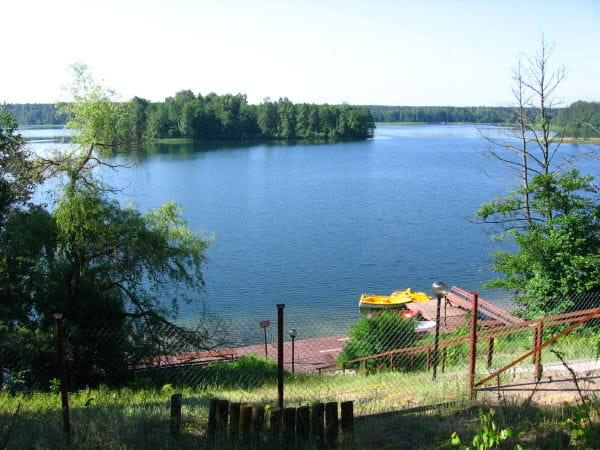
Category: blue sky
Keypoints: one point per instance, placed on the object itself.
(361, 52)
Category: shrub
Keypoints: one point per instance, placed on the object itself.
(384, 332)
(247, 371)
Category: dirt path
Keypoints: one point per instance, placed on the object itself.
(556, 386)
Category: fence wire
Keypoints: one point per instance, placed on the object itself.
(381, 360)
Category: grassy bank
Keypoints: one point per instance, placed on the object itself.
(582, 141)
(138, 418)
(403, 124)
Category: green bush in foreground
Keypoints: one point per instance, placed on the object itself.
(384, 332)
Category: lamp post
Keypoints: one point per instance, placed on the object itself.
(293, 334)
(440, 289)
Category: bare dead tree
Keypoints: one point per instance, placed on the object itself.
(531, 145)
(543, 81)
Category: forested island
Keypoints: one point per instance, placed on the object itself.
(224, 117)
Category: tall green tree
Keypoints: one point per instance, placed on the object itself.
(557, 260)
(552, 216)
(116, 274)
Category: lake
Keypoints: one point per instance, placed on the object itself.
(316, 225)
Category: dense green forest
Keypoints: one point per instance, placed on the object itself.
(35, 114)
(231, 117)
(581, 119)
(438, 114)
(225, 117)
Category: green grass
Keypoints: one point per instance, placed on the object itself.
(590, 140)
(129, 418)
(138, 416)
(402, 124)
(42, 127)
(171, 141)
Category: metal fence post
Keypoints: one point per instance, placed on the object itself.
(280, 308)
(490, 352)
(538, 359)
(436, 348)
(64, 394)
(473, 351)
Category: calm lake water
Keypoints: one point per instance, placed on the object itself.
(314, 226)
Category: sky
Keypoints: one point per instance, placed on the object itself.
(323, 51)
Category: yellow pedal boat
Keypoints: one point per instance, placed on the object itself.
(396, 300)
(412, 295)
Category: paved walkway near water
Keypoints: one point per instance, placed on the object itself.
(310, 355)
(314, 354)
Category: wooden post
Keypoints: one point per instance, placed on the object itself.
(348, 417)
(534, 345)
(212, 418)
(538, 344)
(234, 421)
(275, 421)
(473, 350)
(331, 423)
(222, 415)
(303, 423)
(64, 389)
(258, 420)
(428, 360)
(175, 413)
(391, 362)
(289, 426)
(245, 424)
(317, 423)
(490, 352)
(444, 359)
(280, 308)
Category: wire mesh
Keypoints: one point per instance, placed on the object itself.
(382, 360)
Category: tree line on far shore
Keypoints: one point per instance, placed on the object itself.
(441, 114)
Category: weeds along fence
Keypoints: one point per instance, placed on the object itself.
(382, 362)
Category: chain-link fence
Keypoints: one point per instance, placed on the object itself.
(427, 353)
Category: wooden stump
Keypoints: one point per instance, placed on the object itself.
(331, 423)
